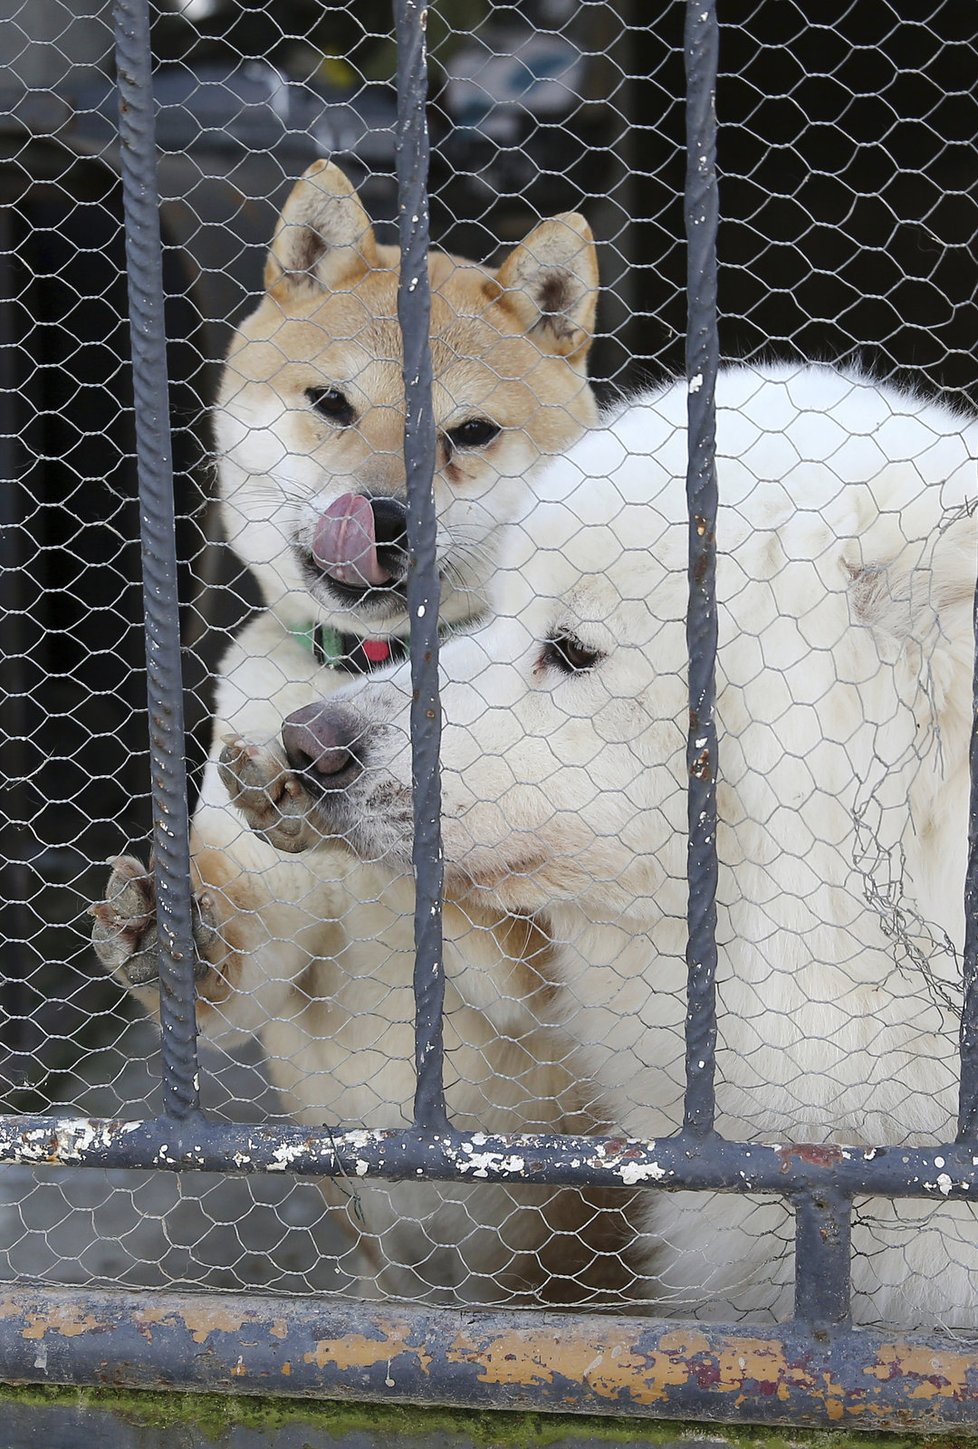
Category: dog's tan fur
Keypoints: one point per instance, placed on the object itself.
(311, 953)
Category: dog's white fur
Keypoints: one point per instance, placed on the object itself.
(846, 575)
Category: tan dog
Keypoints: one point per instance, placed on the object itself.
(313, 954)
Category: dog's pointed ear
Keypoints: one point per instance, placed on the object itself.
(323, 238)
(550, 283)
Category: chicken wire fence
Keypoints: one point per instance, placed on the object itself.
(354, 1172)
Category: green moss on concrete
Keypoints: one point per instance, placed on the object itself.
(212, 1414)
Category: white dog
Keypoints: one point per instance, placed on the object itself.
(846, 574)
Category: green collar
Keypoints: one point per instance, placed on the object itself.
(349, 652)
(319, 641)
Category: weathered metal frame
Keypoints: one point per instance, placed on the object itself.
(814, 1370)
(154, 462)
(568, 1363)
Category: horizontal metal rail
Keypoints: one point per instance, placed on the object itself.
(571, 1363)
(673, 1163)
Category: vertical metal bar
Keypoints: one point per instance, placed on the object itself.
(171, 826)
(414, 314)
(702, 358)
(823, 1231)
(968, 1039)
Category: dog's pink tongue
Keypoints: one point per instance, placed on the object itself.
(345, 544)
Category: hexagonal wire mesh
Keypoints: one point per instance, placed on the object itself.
(845, 580)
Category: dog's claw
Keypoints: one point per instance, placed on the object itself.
(271, 798)
(124, 934)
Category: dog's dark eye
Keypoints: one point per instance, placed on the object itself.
(474, 433)
(333, 404)
(566, 653)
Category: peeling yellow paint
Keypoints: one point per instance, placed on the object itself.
(942, 1375)
(611, 1370)
(62, 1320)
(728, 1367)
(218, 1320)
(834, 1396)
(616, 1371)
(747, 1360)
(356, 1351)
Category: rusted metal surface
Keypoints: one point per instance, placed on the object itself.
(161, 602)
(701, 212)
(943, 1173)
(823, 1238)
(573, 1363)
(423, 578)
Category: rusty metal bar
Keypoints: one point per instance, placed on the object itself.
(823, 1257)
(702, 361)
(154, 462)
(423, 585)
(686, 1162)
(572, 1363)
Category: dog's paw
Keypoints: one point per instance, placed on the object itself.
(272, 799)
(124, 934)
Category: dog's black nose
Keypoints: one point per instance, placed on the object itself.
(390, 523)
(327, 741)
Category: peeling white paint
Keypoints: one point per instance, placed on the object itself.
(360, 1137)
(285, 1155)
(480, 1163)
(65, 1140)
(633, 1172)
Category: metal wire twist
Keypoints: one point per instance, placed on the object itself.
(171, 825)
